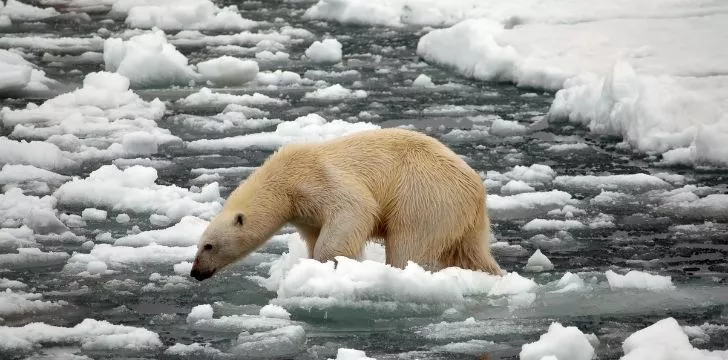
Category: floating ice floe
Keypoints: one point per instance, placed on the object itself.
(639, 280)
(90, 334)
(335, 92)
(18, 174)
(206, 97)
(638, 87)
(270, 40)
(516, 187)
(192, 349)
(552, 225)
(148, 60)
(20, 77)
(117, 257)
(538, 262)
(501, 127)
(182, 15)
(55, 45)
(104, 112)
(278, 78)
(665, 340)
(562, 343)
(185, 233)
(325, 51)
(31, 257)
(37, 213)
(16, 237)
(635, 182)
(228, 70)
(351, 354)
(309, 128)
(19, 303)
(532, 202)
(19, 11)
(423, 81)
(305, 283)
(135, 189)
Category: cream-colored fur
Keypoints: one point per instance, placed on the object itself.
(404, 188)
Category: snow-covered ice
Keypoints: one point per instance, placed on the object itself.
(182, 15)
(206, 97)
(560, 342)
(335, 93)
(665, 340)
(228, 70)
(147, 60)
(325, 51)
(135, 189)
(310, 128)
(639, 280)
(538, 262)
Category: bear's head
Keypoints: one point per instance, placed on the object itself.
(226, 239)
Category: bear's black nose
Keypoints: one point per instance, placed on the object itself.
(200, 275)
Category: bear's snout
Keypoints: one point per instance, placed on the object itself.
(201, 275)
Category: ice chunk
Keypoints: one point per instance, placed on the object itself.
(34, 153)
(38, 213)
(31, 257)
(282, 342)
(79, 124)
(117, 257)
(185, 233)
(147, 60)
(13, 238)
(182, 268)
(14, 174)
(536, 174)
(423, 81)
(123, 218)
(538, 262)
(18, 11)
(227, 70)
(351, 354)
(635, 182)
(93, 214)
(11, 284)
(310, 128)
(335, 92)
(266, 55)
(278, 78)
(665, 340)
(639, 280)
(192, 349)
(502, 127)
(90, 334)
(134, 189)
(568, 147)
(570, 282)
(159, 220)
(205, 97)
(17, 75)
(501, 206)
(552, 225)
(274, 311)
(516, 187)
(200, 312)
(19, 303)
(326, 51)
(184, 15)
(563, 343)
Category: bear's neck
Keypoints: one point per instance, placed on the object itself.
(266, 210)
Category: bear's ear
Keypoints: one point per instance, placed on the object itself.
(239, 219)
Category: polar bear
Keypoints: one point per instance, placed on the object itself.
(400, 187)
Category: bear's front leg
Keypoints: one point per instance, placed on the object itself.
(345, 235)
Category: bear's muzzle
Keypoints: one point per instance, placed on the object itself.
(201, 275)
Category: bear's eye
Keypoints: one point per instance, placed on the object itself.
(208, 247)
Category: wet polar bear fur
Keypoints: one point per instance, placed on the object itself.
(399, 187)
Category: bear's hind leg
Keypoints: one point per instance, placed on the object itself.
(472, 252)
